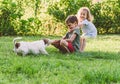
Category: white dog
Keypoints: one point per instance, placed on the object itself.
(35, 47)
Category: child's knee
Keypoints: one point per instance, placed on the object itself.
(63, 42)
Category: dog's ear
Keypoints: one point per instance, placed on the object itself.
(17, 45)
(45, 41)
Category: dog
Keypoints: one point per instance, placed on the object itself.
(35, 47)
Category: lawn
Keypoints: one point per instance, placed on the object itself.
(99, 64)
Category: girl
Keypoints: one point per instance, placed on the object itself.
(85, 23)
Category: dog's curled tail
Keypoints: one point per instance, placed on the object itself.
(15, 39)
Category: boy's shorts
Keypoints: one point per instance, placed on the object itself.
(63, 49)
(70, 47)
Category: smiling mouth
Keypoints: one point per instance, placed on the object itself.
(82, 17)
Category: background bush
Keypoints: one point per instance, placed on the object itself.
(106, 16)
(9, 12)
(46, 17)
(106, 13)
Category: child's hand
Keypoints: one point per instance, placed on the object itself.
(61, 41)
(80, 24)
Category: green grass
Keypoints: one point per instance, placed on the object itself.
(99, 64)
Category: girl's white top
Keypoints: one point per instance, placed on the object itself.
(88, 29)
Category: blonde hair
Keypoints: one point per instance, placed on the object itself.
(89, 15)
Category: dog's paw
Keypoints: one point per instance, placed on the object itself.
(46, 54)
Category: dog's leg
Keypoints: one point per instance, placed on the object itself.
(35, 51)
(24, 53)
(43, 51)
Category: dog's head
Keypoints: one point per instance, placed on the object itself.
(47, 41)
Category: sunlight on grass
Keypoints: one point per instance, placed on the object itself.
(99, 64)
(105, 44)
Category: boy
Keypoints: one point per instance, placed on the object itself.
(71, 41)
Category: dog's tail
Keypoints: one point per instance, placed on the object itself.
(15, 39)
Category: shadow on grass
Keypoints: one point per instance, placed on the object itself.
(90, 55)
(101, 55)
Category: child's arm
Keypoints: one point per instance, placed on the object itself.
(71, 39)
(80, 24)
(63, 37)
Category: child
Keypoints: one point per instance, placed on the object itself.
(71, 41)
(85, 23)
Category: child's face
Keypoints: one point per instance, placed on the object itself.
(71, 26)
(83, 15)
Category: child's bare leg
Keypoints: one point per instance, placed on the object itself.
(84, 44)
(64, 43)
(61, 45)
(81, 44)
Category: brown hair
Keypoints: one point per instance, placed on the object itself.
(71, 19)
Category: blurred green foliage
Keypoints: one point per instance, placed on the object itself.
(46, 17)
(106, 13)
(60, 10)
